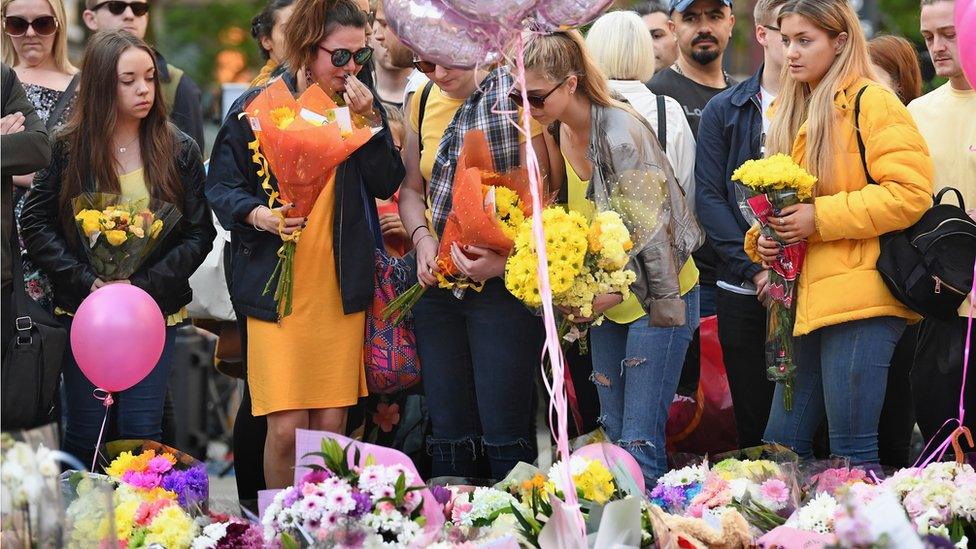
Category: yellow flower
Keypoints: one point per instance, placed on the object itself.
(282, 117)
(120, 465)
(156, 228)
(89, 220)
(172, 528)
(115, 237)
(777, 172)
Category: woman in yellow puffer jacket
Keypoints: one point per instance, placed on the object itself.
(847, 323)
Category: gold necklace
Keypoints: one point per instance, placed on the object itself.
(127, 145)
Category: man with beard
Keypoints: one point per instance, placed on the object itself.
(400, 56)
(945, 117)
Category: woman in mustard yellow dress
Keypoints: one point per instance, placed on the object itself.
(304, 370)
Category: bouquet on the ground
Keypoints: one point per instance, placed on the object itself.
(120, 234)
(487, 210)
(148, 466)
(301, 141)
(585, 259)
(226, 532)
(765, 187)
(677, 489)
(343, 505)
(29, 495)
(940, 499)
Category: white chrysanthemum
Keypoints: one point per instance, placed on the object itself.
(818, 514)
(685, 476)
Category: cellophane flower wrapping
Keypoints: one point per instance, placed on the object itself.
(487, 210)
(147, 465)
(301, 141)
(31, 514)
(227, 532)
(764, 188)
(119, 234)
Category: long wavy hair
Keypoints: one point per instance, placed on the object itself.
(60, 53)
(798, 103)
(93, 122)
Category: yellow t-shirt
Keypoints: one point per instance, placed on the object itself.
(630, 309)
(438, 114)
(946, 118)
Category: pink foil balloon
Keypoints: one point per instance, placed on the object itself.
(611, 455)
(117, 336)
(506, 13)
(438, 34)
(570, 13)
(965, 16)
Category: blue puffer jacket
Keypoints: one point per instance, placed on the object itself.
(730, 132)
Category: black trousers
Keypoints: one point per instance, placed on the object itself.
(937, 377)
(898, 413)
(742, 334)
(249, 435)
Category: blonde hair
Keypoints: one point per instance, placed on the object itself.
(562, 54)
(621, 46)
(799, 104)
(60, 53)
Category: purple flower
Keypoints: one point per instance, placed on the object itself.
(191, 485)
(933, 541)
(291, 497)
(363, 504)
(674, 497)
(441, 495)
(146, 481)
(315, 477)
(242, 535)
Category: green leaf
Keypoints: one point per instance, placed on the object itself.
(288, 542)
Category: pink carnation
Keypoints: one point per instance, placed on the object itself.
(148, 510)
(715, 493)
(146, 480)
(159, 465)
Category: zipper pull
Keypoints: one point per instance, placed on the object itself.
(938, 285)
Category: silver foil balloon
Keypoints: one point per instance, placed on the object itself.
(438, 34)
(506, 13)
(569, 13)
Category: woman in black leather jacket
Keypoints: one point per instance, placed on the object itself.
(119, 141)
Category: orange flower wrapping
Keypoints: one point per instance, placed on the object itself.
(470, 222)
(301, 141)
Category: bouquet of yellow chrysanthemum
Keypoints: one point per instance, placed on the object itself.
(585, 260)
(120, 234)
(765, 187)
(487, 210)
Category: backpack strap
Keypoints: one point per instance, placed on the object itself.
(62, 104)
(170, 88)
(420, 115)
(860, 138)
(662, 123)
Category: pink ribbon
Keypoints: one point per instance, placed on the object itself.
(107, 402)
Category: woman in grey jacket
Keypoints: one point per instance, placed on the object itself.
(614, 162)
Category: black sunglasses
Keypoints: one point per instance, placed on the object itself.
(341, 56)
(117, 7)
(425, 67)
(535, 101)
(17, 26)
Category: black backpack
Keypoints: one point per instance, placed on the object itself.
(928, 266)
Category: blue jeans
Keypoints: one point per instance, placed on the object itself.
(842, 371)
(636, 369)
(479, 357)
(138, 411)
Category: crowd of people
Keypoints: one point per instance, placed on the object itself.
(643, 96)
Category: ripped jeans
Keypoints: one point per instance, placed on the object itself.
(636, 368)
(480, 357)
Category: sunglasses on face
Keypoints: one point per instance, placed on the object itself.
(535, 101)
(425, 67)
(117, 7)
(17, 26)
(341, 56)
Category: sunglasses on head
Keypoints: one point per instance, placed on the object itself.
(341, 56)
(425, 67)
(535, 101)
(117, 7)
(17, 26)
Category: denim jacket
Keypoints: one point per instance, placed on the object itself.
(632, 176)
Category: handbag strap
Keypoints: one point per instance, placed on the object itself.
(62, 104)
(23, 323)
(662, 123)
(860, 139)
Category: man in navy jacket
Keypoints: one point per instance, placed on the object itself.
(732, 130)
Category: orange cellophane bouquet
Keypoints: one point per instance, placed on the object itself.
(302, 141)
(487, 209)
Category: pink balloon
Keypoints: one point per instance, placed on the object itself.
(438, 34)
(117, 336)
(570, 13)
(965, 16)
(611, 455)
(505, 13)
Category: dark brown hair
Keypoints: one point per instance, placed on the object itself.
(897, 57)
(93, 122)
(313, 21)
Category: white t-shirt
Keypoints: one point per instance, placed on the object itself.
(415, 82)
(767, 100)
